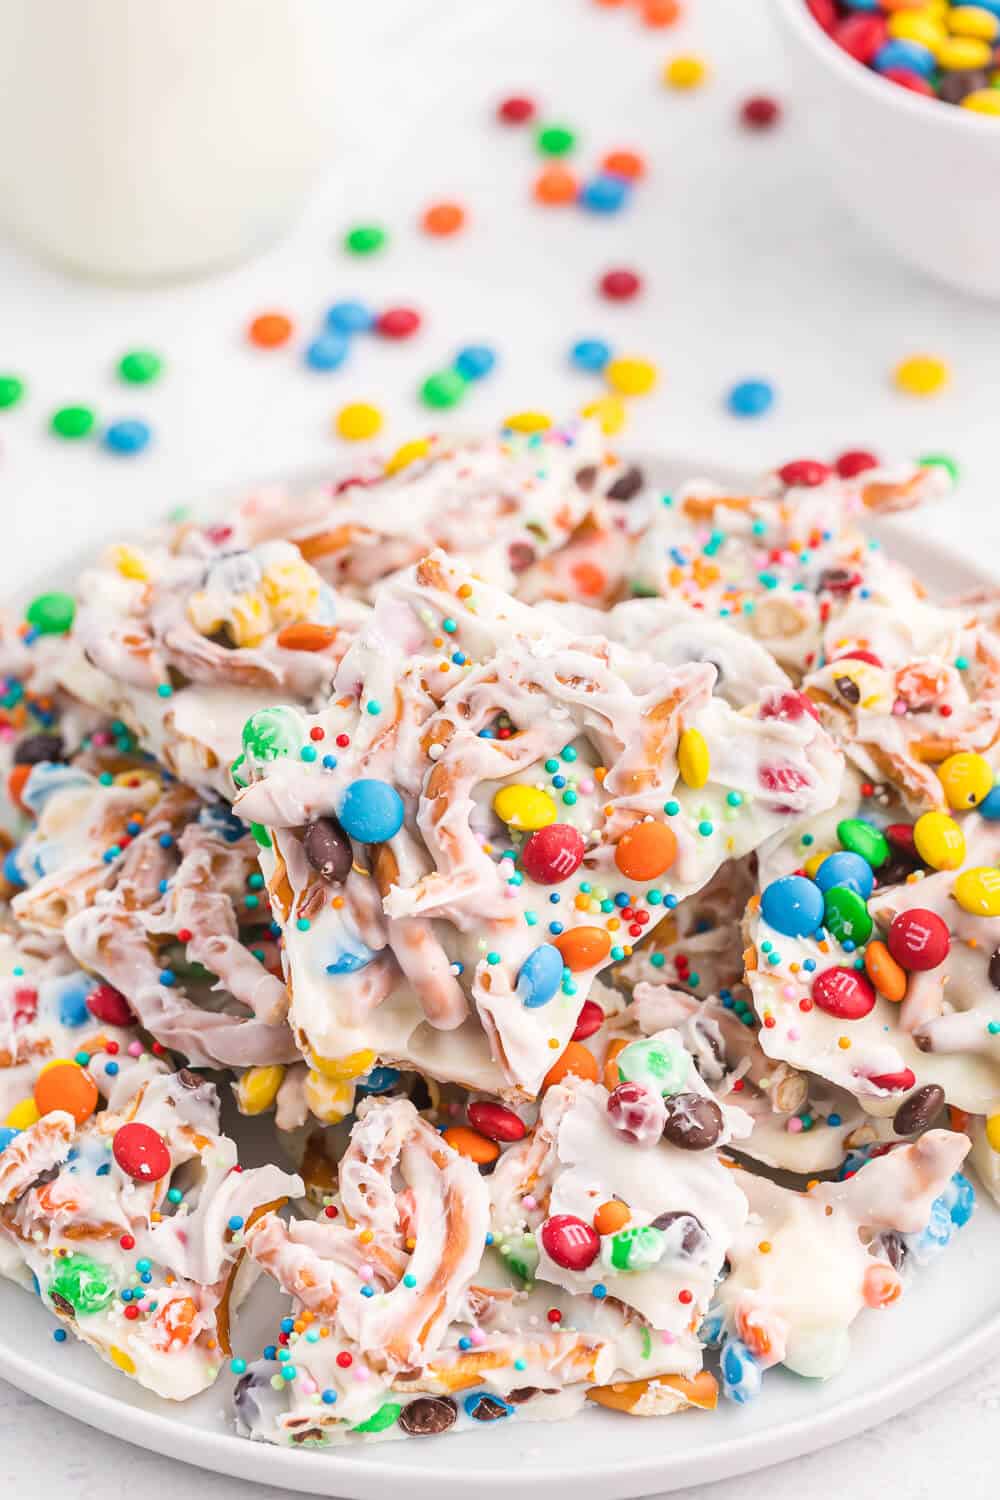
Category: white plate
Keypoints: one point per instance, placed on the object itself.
(948, 1323)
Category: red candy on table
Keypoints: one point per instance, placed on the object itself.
(553, 854)
(804, 472)
(516, 110)
(844, 993)
(861, 35)
(788, 705)
(591, 1019)
(107, 1004)
(397, 322)
(141, 1152)
(824, 13)
(496, 1121)
(25, 1004)
(620, 284)
(918, 939)
(906, 78)
(855, 461)
(859, 655)
(570, 1242)
(901, 834)
(760, 112)
(895, 1082)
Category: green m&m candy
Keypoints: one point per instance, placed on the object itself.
(270, 733)
(864, 839)
(638, 1248)
(519, 1253)
(661, 1067)
(845, 914)
(86, 1284)
(381, 1419)
(51, 614)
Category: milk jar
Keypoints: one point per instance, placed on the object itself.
(146, 139)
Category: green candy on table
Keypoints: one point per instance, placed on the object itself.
(51, 614)
(519, 1253)
(845, 914)
(864, 839)
(444, 389)
(87, 1285)
(270, 733)
(660, 1067)
(637, 1248)
(381, 1419)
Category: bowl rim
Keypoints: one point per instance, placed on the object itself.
(797, 18)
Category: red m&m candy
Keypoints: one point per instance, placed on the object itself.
(141, 1152)
(861, 35)
(787, 705)
(620, 284)
(855, 461)
(901, 834)
(107, 1004)
(844, 993)
(590, 1019)
(804, 472)
(397, 322)
(895, 1082)
(918, 939)
(570, 1242)
(517, 109)
(859, 655)
(496, 1121)
(553, 854)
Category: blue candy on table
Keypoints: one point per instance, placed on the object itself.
(847, 869)
(792, 905)
(741, 1373)
(349, 317)
(378, 1081)
(989, 808)
(371, 812)
(540, 976)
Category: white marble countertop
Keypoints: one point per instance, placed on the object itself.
(751, 268)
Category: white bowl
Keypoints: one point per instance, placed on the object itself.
(923, 176)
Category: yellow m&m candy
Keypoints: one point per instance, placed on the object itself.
(939, 841)
(358, 421)
(961, 52)
(24, 1113)
(685, 72)
(630, 376)
(693, 759)
(609, 412)
(983, 102)
(921, 375)
(993, 1131)
(978, 891)
(529, 421)
(258, 1089)
(966, 779)
(342, 1069)
(329, 1100)
(973, 20)
(408, 453)
(525, 807)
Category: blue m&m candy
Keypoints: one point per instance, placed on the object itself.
(127, 437)
(11, 873)
(845, 868)
(328, 352)
(540, 976)
(898, 53)
(371, 811)
(605, 194)
(590, 354)
(740, 1372)
(989, 808)
(475, 361)
(792, 905)
(7, 1134)
(750, 398)
(349, 317)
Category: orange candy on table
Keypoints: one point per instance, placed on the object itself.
(611, 1078)
(443, 219)
(646, 851)
(269, 330)
(576, 1060)
(583, 947)
(624, 164)
(65, 1085)
(305, 636)
(469, 1142)
(16, 778)
(611, 1216)
(657, 13)
(556, 184)
(888, 977)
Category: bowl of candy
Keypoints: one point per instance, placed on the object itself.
(902, 101)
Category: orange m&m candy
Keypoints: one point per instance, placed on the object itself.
(611, 1078)
(66, 1086)
(583, 947)
(443, 219)
(646, 851)
(16, 778)
(576, 1060)
(470, 1143)
(306, 636)
(657, 13)
(888, 977)
(624, 164)
(556, 184)
(268, 330)
(611, 1217)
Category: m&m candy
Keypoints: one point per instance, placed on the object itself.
(918, 939)
(553, 853)
(847, 869)
(571, 1243)
(141, 1152)
(844, 993)
(939, 841)
(793, 906)
(540, 976)
(371, 811)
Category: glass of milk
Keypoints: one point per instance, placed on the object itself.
(149, 139)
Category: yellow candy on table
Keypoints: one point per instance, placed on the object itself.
(630, 376)
(358, 421)
(921, 375)
(693, 759)
(24, 1113)
(814, 861)
(966, 779)
(122, 1360)
(529, 421)
(343, 1069)
(916, 26)
(973, 20)
(956, 53)
(408, 453)
(993, 1131)
(258, 1089)
(978, 891)
(609, 412)
(135, 776)
(939, 841)
(983, 102)
(686, 71)
(329, 1100)
(129, 563)
(525, 807)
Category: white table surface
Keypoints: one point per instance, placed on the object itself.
(751, 268)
